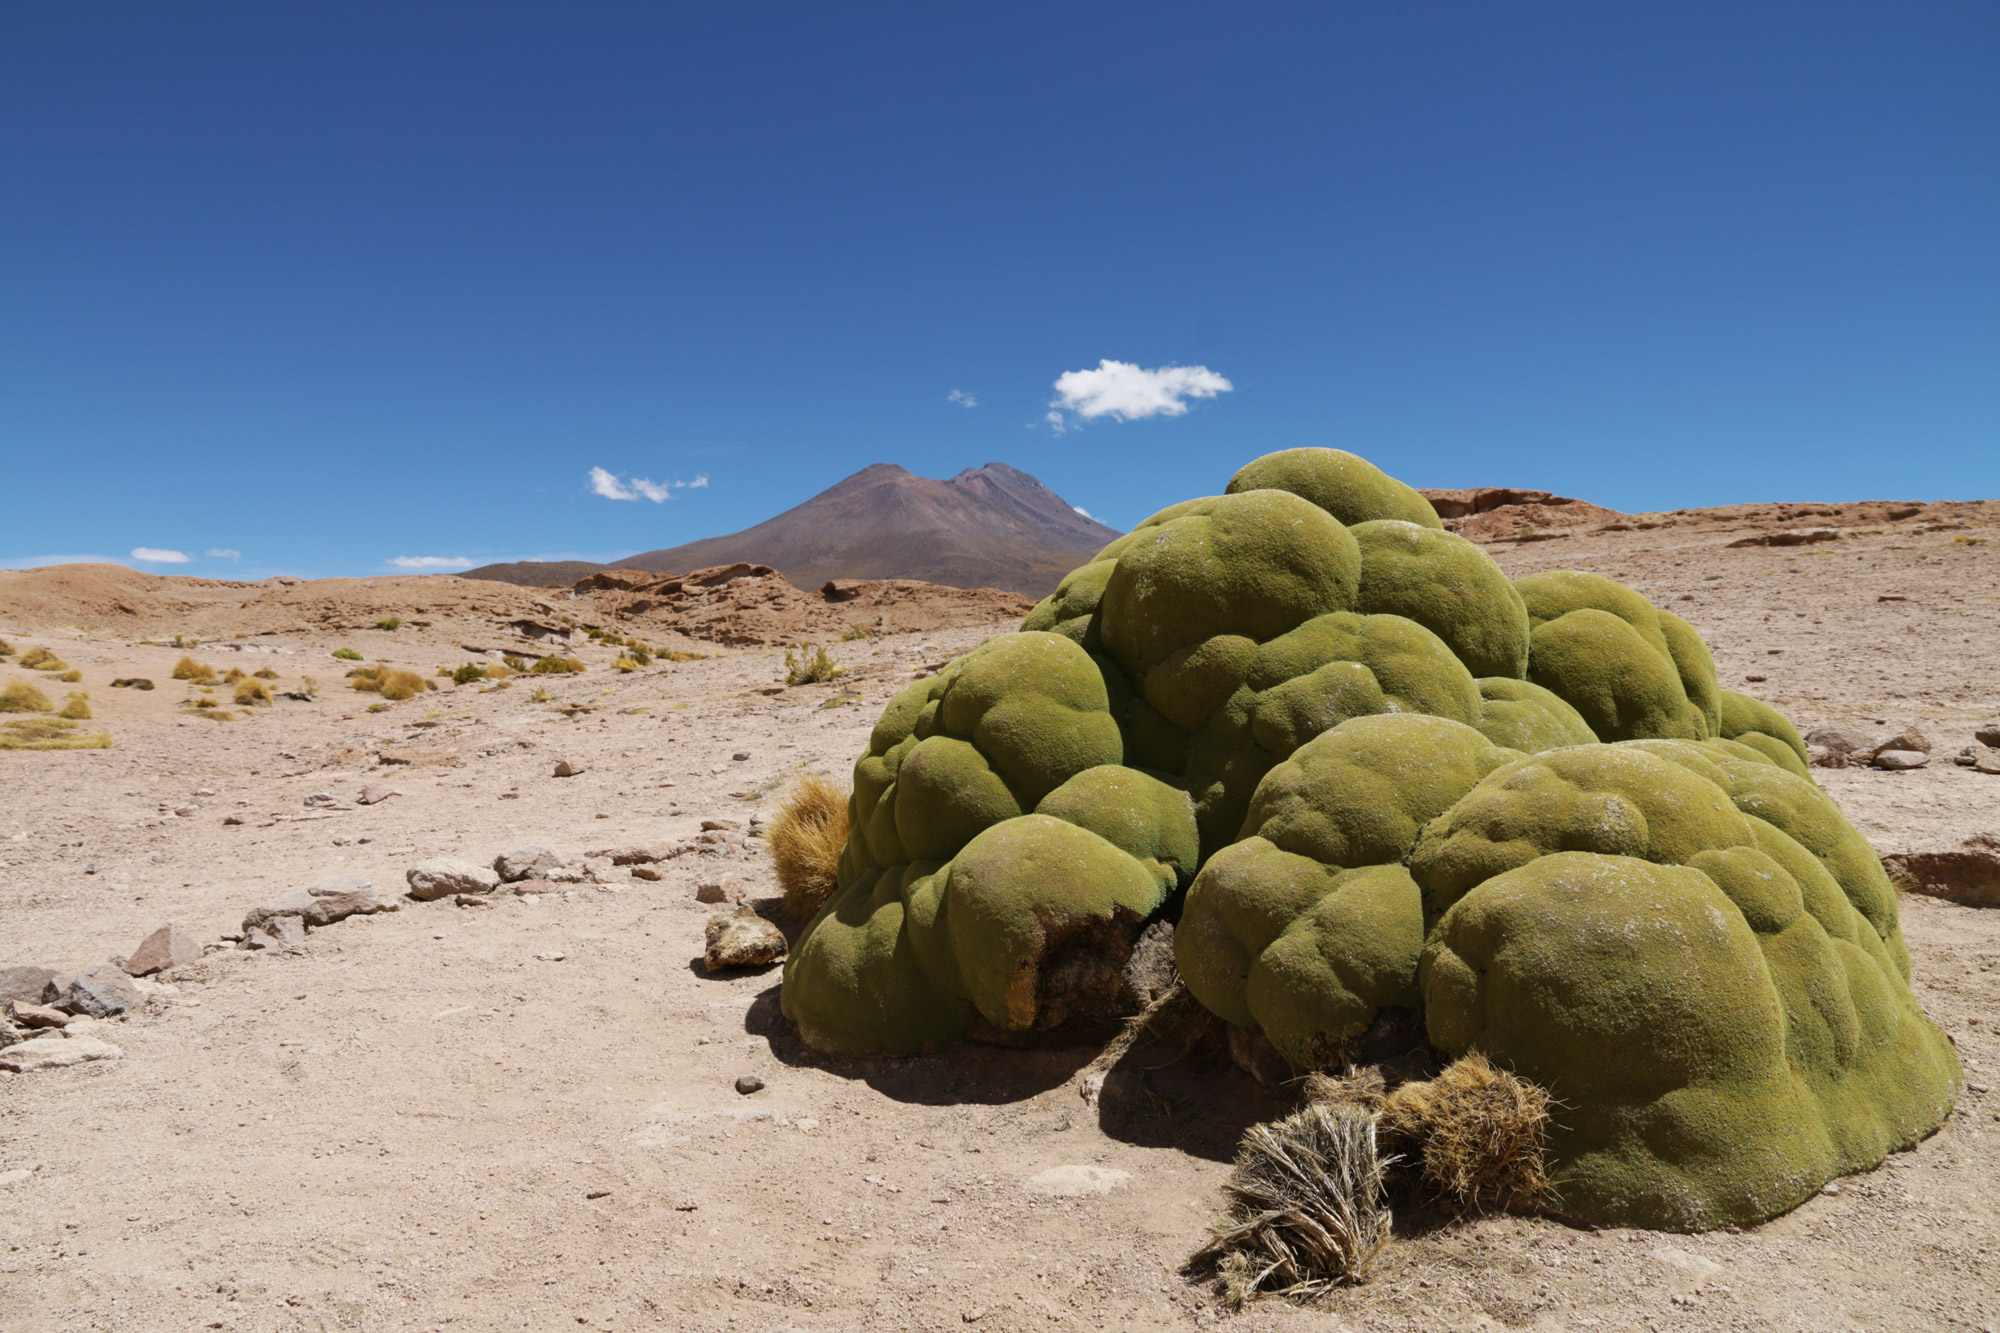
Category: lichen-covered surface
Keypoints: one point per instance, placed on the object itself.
(1523, 810)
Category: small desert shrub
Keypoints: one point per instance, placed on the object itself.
(71, 677)
(682, 657)
(76, 707)
(807, 665)
(205, 703)
(194, 672)
(540, 696)
(309, 686)
(131, 683)
(41, 659)
(389, 622)
(806, 838)
(363, 673)
(625, 664)
(556, 666)
(515, 663)
(50, 734)
(857, 632)
(218, 715)
(231, 676)
(250, 692)
(640, 656)
(6, 648)
(468, 673)
(392, 683)
(1305, 1211)
(21, 697)
(186, 641)
(347, 654)
(265, 673)
(1480, 1132)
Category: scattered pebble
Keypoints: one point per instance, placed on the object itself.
(749, 1083)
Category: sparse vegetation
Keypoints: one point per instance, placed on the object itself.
(77, 707)
(48, 733)
(218, 715)
(640, 656)
(231, 676)
(470, 672)
(193, 672)
(556, 666)
(625, 664)
(265, 673)
(808, 665)
(41, 659)
(677, 656)
(514, 662)
(21, 697)
(855, 632)
(6, 648)
(205, 703)
(251, 692)
(1480, 1132)
(71, 677)
(392, 683)
(806, 837)
(540, 696)
(347, 654)
(389, 623)
(1305, 1211)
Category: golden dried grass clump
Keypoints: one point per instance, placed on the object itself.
(1305, 1211)
(76, 707)
(265, 673)
(625, 664)
(231, 676)
(71, 677)
(41, 659)
(50, 733)
(21, 697)
(6, 648)
(251, 692)
(809, 665)
(556, 666)
(806, 838)
(1480, 1132)
(392, 683)
(195, 673)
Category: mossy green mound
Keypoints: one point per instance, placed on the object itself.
(1368, 775)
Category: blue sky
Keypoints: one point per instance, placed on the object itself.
(325, 286)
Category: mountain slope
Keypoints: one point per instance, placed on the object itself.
(988, 527)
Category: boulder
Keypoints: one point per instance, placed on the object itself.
(28, 1015)
(53, 1052)
(742, 939)
(525, 863)
(1988, 734)
(1909, 738)
(320, 903)
(1969, 875)
(102, 992)
(1901, 760)
(441, 879)
(1841, 740)
(169, 946)
(36, 985)
(1989, 762)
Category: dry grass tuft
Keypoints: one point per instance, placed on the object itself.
(41, 659)
(809, 665)
(265, 673)
(251, 692)
(194, 672)
(231, 676)
(71, 678)
(6, 648)
(806, 838)
(558, 666)
(625, 664)
(76, 707)
(396, 685)
(21, 697)
(48, 733)
(1305, 1211)
(676, 655)
(1481, 1133)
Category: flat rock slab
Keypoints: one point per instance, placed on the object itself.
(742, 939)
(1071, 1182)
(56, 1052)
(1901, 760)
(36, 985)
(1969, 876)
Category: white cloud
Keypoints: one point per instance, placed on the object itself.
(222, 553)
(962, 398)
(612, 487)
(1085, 512)
(1126, 392)
(159, 557)
(430, 562)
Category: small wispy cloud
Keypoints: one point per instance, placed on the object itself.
(1085, 512)
(962, 398)
(430, 562)
(1127, 392)
(222, 553)
(613, 487)
(158, 556)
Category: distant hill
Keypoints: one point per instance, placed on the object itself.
(988, 527)
(537, 573)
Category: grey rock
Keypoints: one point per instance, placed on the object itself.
(1840, 740)
(639, 854)
(742, 939)
(261, 939)
(54, 1052)
(9, 1034)
(36, 985)
(290, 931)
(739, 757)
(525, 863)
(321, 800)
(28, 1015)
(1986, 763)
(167, 947)
(442, 879)
(749, 1083)
(321, 903)
(1988, 734)
(102, 992)
(1819, 756)
(1901, 760)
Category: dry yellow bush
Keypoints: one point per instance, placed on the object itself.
(41, 659)
(395, 684)
(625, 664)
(77, 707)
(47, 733)
(21, 697)
(250, 692)
(194, 672)
(1482, 1133)
(71, 677)
(806, 837)
(233, 675)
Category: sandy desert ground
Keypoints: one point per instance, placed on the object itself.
(524, 1115)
